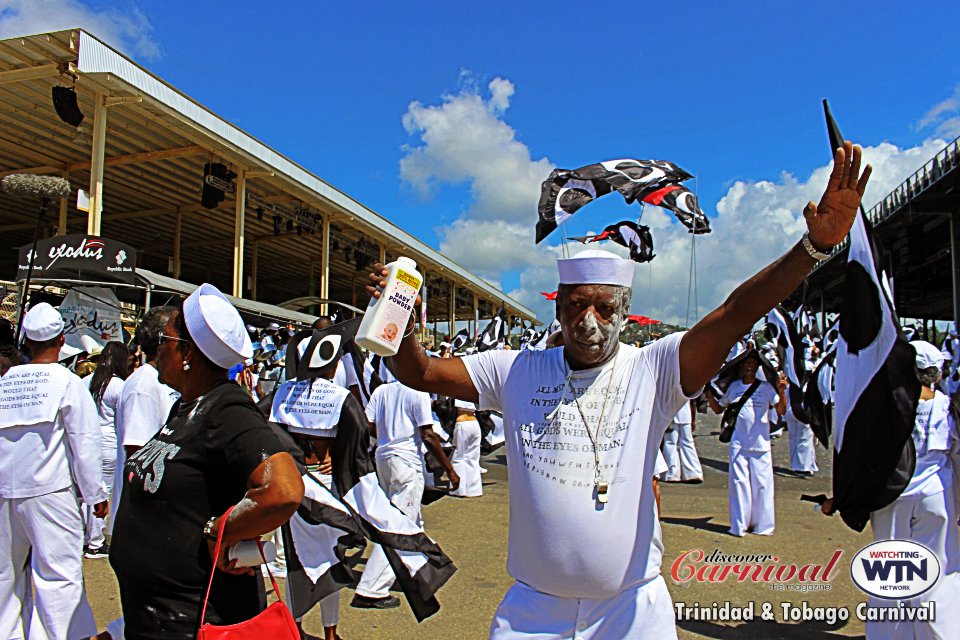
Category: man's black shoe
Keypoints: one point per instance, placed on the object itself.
(363, 602)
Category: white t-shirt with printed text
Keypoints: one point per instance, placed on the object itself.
(562, 541)
(399, 412)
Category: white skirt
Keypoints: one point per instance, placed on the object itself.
(466, 458)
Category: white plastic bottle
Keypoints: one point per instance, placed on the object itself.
(386, 317)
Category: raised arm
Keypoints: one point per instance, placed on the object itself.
(705, 346)
(415, 369)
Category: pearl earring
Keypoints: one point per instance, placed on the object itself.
(186, 366)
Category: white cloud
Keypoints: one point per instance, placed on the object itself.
(943, 117)
(466, 140)
(126, 28)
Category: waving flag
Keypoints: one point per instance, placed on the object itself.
(818, 399)
(460, 340)
(549, 296)
(628, 234)
(783, 332)
(565, 191)
(495, 333)
(876, 387)
(683, 204)
(641, 320)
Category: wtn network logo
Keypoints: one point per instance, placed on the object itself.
(895, 569)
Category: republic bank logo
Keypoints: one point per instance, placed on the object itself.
(895, 569)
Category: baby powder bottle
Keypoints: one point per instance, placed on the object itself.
(386, 317)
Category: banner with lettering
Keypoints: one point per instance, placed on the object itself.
(309, 406)
(31, 394)
(91, 311)
(80, 257)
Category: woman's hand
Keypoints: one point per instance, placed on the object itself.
(223, 563)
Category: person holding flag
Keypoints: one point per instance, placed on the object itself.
(584, 544)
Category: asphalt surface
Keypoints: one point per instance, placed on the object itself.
(473, 531)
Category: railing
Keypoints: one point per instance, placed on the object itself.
(946, 160)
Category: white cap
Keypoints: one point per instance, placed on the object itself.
(42, 323)
(596, 266)
(216, 327)
(273, 326)
(90, 345)
(67, 352)
(927, 355)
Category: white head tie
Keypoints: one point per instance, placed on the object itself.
(596, 266)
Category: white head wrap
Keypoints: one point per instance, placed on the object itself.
(42, 323)
(216, 327)
(596, 266)
(927, 355)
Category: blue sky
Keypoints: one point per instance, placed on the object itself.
(444, 116)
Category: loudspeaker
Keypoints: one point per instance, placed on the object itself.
(65, 104)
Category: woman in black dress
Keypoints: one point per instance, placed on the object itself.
(215, 451)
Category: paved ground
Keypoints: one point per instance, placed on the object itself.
(474, 533)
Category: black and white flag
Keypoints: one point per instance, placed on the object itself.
(783, 332)
(876, 392)
(818, 399)
(459, 340)
(565, 191)
(494, 334)
(876, 387)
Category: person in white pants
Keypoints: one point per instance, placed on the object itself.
(803, 455)
(49, 448)
(751, 463)
(105, 385)
(466, 454)
(679, 450)
(402, 421)
(926, 511)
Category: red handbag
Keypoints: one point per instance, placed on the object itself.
(273, 622)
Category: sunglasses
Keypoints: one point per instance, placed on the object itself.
(164, 338)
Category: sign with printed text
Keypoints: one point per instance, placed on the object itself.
(79, 256)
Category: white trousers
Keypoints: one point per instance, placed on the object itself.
(803, 455)
(931, 521)
(48, 530)
(680, 454)
(466, 459)
(95, 527)
(751, 492)
(403, 484)
(638, 613)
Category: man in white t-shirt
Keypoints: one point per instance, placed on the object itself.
(402, 421)
(145, 402)
(584, 423)
(50, 448)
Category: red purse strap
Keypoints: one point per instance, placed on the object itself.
(213, 569)
(216, 555)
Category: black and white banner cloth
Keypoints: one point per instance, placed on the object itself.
(494, 335)
(629, 234)
(783, 332)
(876, 392)
(565, 191)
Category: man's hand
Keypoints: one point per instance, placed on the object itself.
(782, 383)
(378, 282)
(101, 509)
(454, 480)
(830, 221)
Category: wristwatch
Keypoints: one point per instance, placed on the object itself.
(812, 250)
(209, 529)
